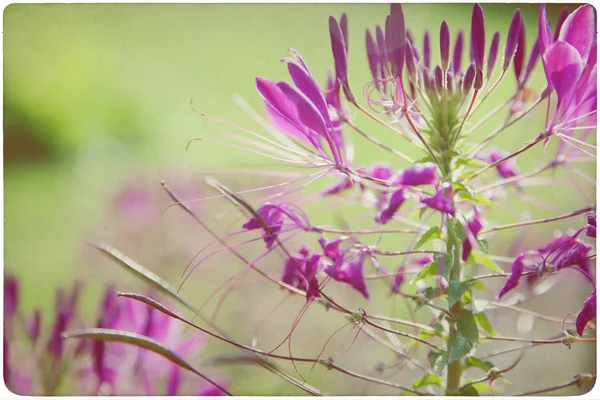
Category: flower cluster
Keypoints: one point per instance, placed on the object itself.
(38, 361)
(443, 200)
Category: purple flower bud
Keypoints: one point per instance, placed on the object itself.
(493, 53)
(397, 43)
(55, 343)
(441, 201)
(344, 28)
(372, 56)
(478, 36)
(457, 55)
(438, 79)
(514, 33)
(426, 49)
(564, 13)
(588, 312)
(474, 226)
(445, 45)
(544, 33)
(410, 61)
(395, 202)
(515, 275)
(400, 278)
(381, 45)
(590, 229)
(449, 82)
(11, 295)
(469, 78)
(350, 273)
(478, 81)
(33, 325)
(419, 174)
(533, 57)
(338, 48)
(520, 53)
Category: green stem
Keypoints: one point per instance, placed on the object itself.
(454, 368)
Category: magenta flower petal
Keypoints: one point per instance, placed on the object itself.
(474, 227)
(441, 201)
(331, 249)
(400, 278)
(564, 13)
(563, 67)
(587, 313)
(307, 85)
(515, 32)
(579, 30)
(283, 124)
(372, 55)
(515, 275)
(590, 230)
(478, 36)
(395, 202)
(544, 32)
(343, 184)
(338, 48)
(350, 273)
(419, 174)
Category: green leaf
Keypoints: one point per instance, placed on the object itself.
(477, 285)
(438, 361)
(141, 341)
(482, 387)
(475, 362)
(470, 162)
(456, 289)
(433, 233)
(430, 269)
(428, 380)
(459, 347)
(478, 306)
(458, 229)
(448, 263)
(467, 326)
(483, 259)
(140, 271)
(468, 391)
(483, 243)
(482, 200)
(484, 323)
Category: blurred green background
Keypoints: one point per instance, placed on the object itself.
(97, 97)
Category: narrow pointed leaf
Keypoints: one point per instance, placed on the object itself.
(141, 341)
